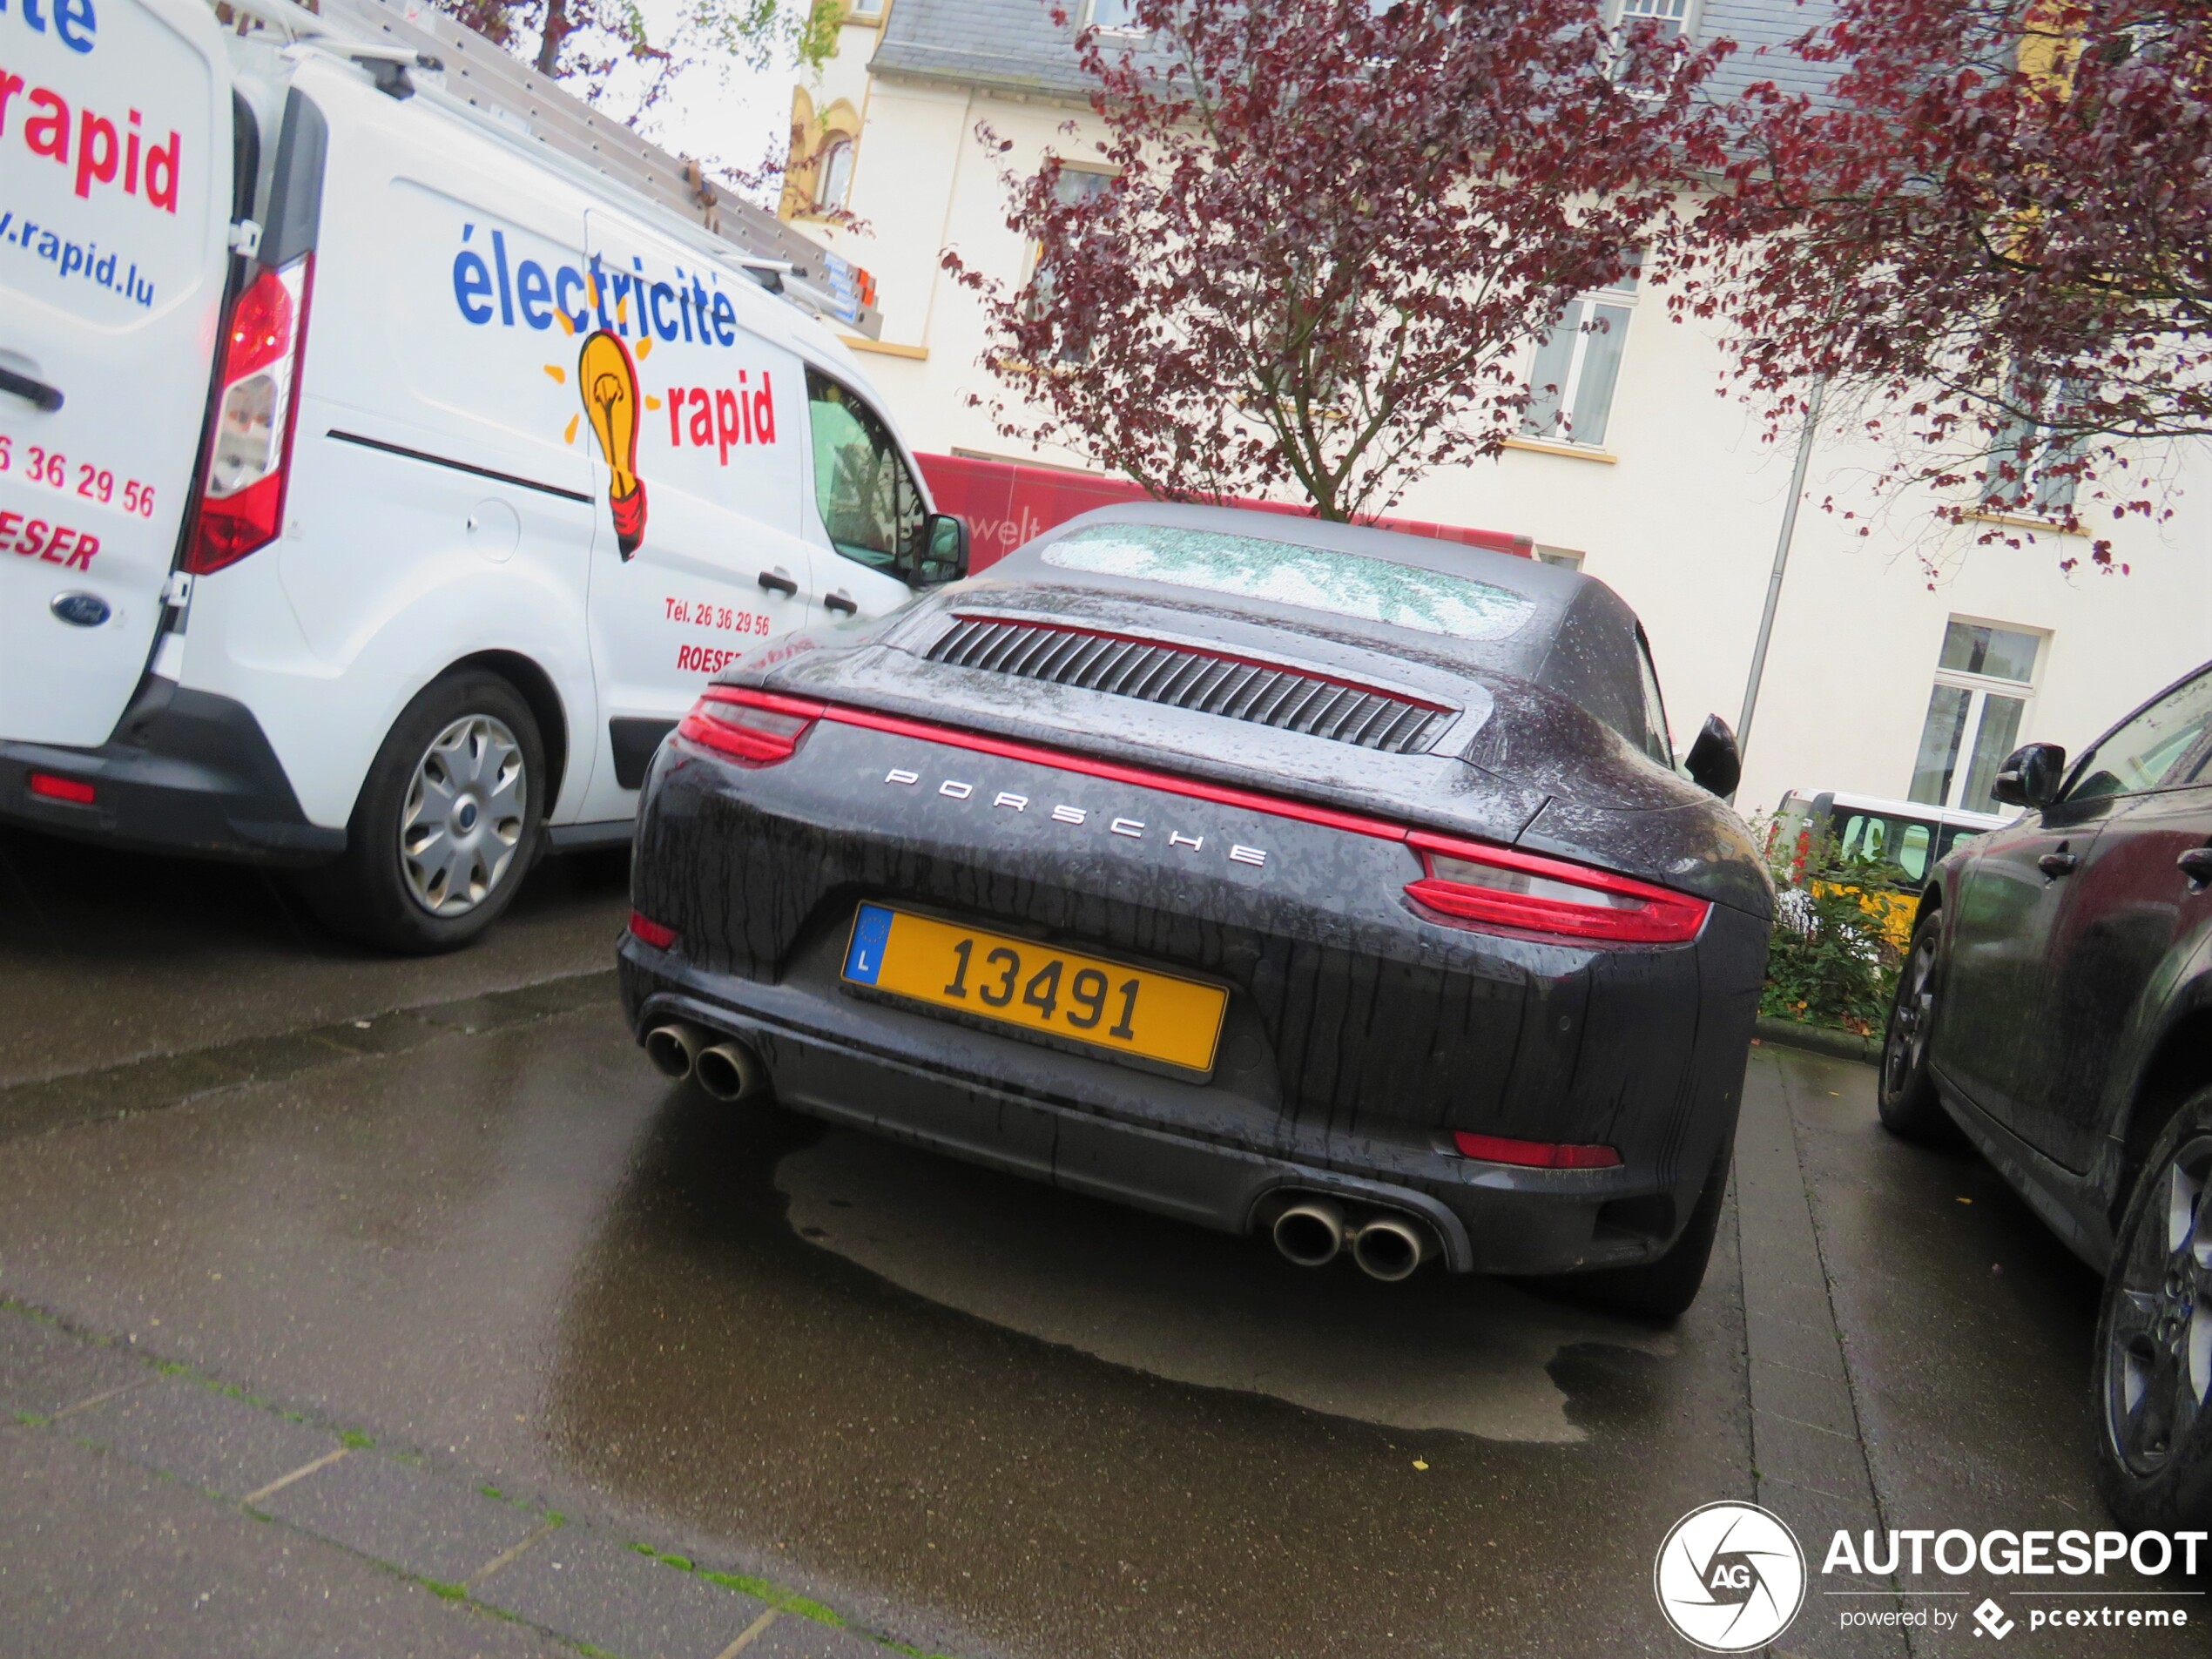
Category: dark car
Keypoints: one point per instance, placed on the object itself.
(1274, 874)
(2056, 1005)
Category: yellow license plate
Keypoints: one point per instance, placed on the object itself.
(1039, 987)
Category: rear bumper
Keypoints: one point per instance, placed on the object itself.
(186, 771)
(1094, 1127)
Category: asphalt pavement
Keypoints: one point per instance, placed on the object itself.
(355, 1304)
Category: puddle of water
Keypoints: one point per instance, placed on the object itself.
(1192, 1306)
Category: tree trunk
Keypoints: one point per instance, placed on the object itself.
(557, 27)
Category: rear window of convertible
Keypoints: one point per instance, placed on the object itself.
(1312, 578)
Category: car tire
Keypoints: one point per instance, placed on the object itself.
(1905, 1088)
(449, 821)
(1659, 1291)
(2151, 1386)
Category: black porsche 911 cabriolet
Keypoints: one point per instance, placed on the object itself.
(1279, 875)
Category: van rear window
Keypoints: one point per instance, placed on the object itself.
(1311, 579)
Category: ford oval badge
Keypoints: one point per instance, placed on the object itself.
(80, 610)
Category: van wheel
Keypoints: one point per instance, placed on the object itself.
(2152, 1386)
(448, 823)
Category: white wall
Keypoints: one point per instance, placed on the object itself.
(1681, 519)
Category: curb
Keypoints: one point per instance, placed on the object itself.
(585, 1582)
(1817, 1039)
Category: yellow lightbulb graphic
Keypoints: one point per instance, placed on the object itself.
(607, 380)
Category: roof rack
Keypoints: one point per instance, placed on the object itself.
(816, 278)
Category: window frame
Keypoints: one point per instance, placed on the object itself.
(900, 564)
(836, 140)
(1980, 688)
(1621, 295)
(1686, 27)
(1129, 31)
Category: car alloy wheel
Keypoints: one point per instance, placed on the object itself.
(2158, 1348)
(1907, 1039)
(461, 818)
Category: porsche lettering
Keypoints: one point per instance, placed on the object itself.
(1133, 829)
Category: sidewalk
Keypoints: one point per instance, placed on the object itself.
(144, 1510)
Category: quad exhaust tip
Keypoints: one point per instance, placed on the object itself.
(1389, 1249)
(729, 1071)
(674, 1047)
(1313, 1231)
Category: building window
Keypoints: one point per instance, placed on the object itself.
(1984, 680)
(1671, 15)
(1113, 17)
(1074, 188)
(1572, 376)
(833, 174)
(2038, 490)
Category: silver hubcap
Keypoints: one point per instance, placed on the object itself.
(462, 818)
(2158, 1365)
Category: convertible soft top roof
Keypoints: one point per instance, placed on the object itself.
(1567, 632)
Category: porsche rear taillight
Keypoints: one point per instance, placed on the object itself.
(752, 728)
(241, 500)
(1502, 886)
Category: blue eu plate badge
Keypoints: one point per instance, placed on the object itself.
(871, 931)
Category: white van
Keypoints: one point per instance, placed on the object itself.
(378, 484)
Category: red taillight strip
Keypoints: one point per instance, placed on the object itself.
(1512, 857)
(1143, 777)
(797, 707)
(1535, 1154)
(1212, 654)
(657, 934)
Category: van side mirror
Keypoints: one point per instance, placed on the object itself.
(1713, 763)
(943, 544)
(2030, 776)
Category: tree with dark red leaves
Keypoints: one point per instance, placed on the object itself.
(1330, 234)
(1997, 233)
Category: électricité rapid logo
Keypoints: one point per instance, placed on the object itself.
(1730, 1577)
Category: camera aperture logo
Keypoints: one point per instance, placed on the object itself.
(1730, 1577)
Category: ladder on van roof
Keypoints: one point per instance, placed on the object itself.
(817, 279)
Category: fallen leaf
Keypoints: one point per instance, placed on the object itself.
(1418, 1464)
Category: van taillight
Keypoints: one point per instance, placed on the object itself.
(241, 501)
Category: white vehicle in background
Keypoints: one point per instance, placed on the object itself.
(382, 472)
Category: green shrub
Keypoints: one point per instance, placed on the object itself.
(1831, 959)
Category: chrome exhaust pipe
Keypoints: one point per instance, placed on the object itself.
(1311, 1232)
(729, 1071)
(674, 1047)
(1389, 1249)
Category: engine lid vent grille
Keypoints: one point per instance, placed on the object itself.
(1186, 677)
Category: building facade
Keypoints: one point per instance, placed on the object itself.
(1904, 659)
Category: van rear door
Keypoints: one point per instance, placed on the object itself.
(115, 191)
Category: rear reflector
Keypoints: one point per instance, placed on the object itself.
(72, 790)
(1502, 886)
(1535, 1154)
(241, 503)
(752, 728)
(653, 933)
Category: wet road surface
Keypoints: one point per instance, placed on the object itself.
(972, 1414)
